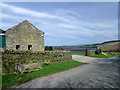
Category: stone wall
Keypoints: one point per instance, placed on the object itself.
(11, 58)
(91, 52)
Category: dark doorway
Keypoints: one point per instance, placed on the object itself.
(29, 47)
(17, 47)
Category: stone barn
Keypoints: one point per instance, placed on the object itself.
(24, 36)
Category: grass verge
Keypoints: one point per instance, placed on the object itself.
(105, 56)
(78, 53)
(14, 79)
(97, 55)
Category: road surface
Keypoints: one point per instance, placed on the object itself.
(99, 73)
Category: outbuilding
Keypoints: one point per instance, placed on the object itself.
(24, 36)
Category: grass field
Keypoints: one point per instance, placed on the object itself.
(13, 79)
(78, 53)
(97, 55)
(105, 56)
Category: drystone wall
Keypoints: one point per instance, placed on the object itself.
(11, 58)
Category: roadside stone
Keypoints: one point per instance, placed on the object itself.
(28, 67)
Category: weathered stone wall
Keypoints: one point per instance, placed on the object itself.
(24, 34)
(89, 52)
(11, 58)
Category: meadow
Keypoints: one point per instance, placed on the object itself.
(109, 55)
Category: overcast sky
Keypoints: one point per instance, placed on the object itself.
(66, 23)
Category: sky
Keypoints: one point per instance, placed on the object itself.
(65, 23)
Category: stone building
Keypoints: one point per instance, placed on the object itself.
(24, 36)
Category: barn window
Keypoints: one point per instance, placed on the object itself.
(29, 47)
(17, 47)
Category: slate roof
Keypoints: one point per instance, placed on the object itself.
(2, 31)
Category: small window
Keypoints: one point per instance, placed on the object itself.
(29, 47)
(42, 35)
(17, 47)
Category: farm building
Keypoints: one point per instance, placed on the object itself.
(24, 36)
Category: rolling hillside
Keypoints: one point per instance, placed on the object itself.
(105, 46)
(110, 46)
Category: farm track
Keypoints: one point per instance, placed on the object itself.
(99, 73)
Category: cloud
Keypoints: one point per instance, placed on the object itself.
(62, 25)
(69, 26)
(23, 11)
(5, 24)
(13, 17)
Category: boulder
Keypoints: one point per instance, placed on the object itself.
(28, 67)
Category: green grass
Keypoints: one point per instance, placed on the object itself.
(97, 55)
(105, 56)
(78, 53)
(13, 79)
(0, 81)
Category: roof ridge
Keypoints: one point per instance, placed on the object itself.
(25, 22)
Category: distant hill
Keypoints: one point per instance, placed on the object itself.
(107, 42)
(110, 46)
(105, 46)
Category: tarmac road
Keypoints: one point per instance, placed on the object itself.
(99, 73)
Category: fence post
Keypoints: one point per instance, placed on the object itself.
(86, 51)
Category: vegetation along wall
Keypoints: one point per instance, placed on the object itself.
(11, 58)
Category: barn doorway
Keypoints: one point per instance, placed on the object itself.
(29, 47)
(17, 47)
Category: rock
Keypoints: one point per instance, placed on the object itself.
(28, 67)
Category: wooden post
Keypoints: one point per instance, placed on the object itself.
(96, 51)
(100, 50)
(86, 51)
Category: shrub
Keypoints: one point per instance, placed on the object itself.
(34, 61)
(48, 48)
(46, 62)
